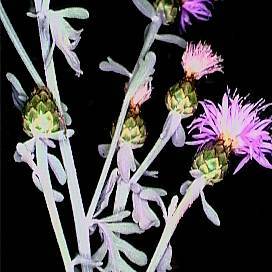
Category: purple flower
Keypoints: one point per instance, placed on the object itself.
(239, 125)
(200, 9)
(199, 60)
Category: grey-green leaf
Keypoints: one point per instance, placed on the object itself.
(145, 8)
(134, 255)
(146, 69)
(124, 228)
(57, 169)
(74, 12)
(100, 254)
(113, 66)
(118, 217)
(170, 38)
(209, 211)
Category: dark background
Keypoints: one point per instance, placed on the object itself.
(237, 32)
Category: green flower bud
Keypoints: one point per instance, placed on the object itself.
(133, 131)
(168, 8)
(40, 114)
(212, 161)
(182, 98)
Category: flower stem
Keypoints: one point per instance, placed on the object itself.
(81, 226)
(191, 195)
(41, 149)
(154, 152)
(19, 47)
(82, 230)
(149, 39)
(42, 163)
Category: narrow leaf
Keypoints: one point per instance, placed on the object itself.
(74, 12)
(118, 217)
(134, 255)
(145, 8)
(173, 205)
(184, 186)
(124, 228)
(174, 39)
(100, 254)
(179, 137)
(209, 211)
(146, 69)
(113, 66)
(165, 262)
(57, 169)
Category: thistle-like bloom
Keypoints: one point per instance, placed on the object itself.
(199, 9)
(238, 125)
(199, 60)
(142, 95)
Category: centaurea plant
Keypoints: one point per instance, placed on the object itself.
(235, 126)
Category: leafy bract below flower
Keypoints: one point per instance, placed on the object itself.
(64, 36)
(199, 60)
(238, 124)
(199, 9)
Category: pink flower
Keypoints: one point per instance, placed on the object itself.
(199, 60)
(239, 125)
(142, 95)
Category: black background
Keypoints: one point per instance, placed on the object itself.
(115, 28)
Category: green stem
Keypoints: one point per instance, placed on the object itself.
(82, 230)
(171, 224)
(42, 163)
(19, 47)
(150, 38)
(154, 152)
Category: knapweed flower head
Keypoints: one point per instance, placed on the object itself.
(40, 114)
(133, 131)
(199, 9)
(168, 9)
(199, 60)
(238, 124)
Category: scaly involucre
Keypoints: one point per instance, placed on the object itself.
(238, 123)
